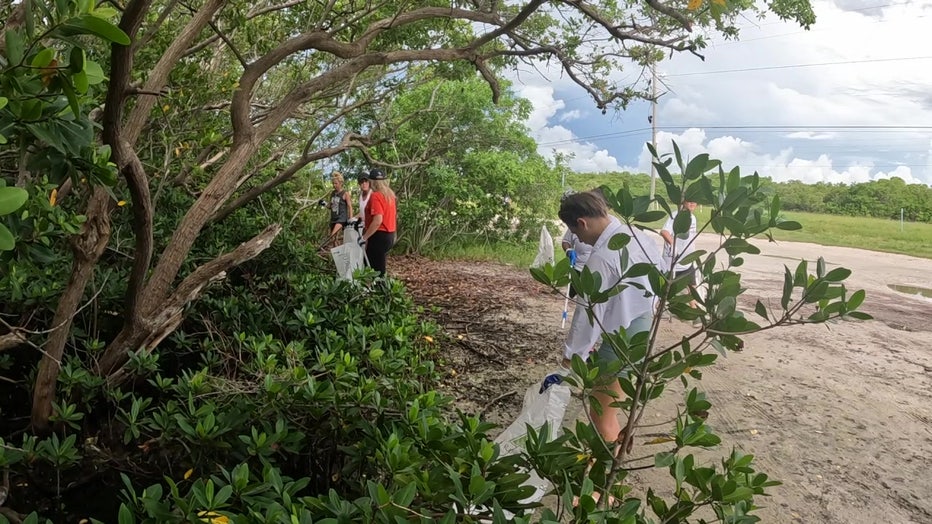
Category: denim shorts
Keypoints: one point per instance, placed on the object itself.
(606, 354)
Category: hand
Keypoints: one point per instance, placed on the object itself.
(571, 254)
(361, 241)
(322, 203)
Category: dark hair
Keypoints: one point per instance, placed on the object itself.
(582, 205)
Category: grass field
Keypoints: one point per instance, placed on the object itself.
(865, 233)
(874, 234)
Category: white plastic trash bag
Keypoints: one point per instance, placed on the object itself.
(544, 401)
(349, 256)
(544, 248)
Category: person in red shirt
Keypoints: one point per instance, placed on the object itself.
(380, 222)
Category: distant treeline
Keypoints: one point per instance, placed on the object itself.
(880, 198)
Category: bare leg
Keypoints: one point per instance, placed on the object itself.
(607, 423)
(335, 238)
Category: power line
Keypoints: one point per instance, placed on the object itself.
(795, 66)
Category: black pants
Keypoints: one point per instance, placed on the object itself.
(377, 250)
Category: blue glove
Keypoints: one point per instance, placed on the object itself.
(571, 254)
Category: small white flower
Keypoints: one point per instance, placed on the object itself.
(453, 213)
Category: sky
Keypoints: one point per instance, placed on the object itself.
(848, 101)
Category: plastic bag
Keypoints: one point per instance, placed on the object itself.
(545, 401)
(349, 256)
(544, 248)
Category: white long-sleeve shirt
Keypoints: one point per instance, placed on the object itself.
(621, 309)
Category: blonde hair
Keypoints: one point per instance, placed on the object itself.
(336, 177)
(381, 186)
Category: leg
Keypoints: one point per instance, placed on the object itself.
(335, 238)
(607, 423)
(377, 250)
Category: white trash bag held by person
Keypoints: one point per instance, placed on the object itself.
(349, 256)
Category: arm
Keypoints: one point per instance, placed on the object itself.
(373, 226)
(349, 204)
(567, 242)
(667, 237)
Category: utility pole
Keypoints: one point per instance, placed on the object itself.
(653, 124)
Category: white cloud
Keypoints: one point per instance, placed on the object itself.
(866, 117)
(553, 139)
(569, 116)
(781, 166)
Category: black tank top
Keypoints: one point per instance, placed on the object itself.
(338, 210)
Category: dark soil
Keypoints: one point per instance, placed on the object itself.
(494, 345)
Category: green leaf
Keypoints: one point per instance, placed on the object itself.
(802, 274)
(838, 274)
(679, 156)
(789, 225)
(11, 199)
(76, 60)
(3, 101)
(14, 47)
(404, 496)
(740, 493)
(682, 222)
(650, 216)
(697, 166)
(775, 208)
(761, 309)
(860, 315)
(71, 96)
(857, 298)
(91, 25)
(43, 58)
(80, 82)
(7, 242)
(664, 459)
(618, 241)
(787, 288)
(95, 73)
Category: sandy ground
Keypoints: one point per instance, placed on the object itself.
(840, 413)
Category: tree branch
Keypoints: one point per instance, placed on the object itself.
(350, 140)
(169, 315)
(158, 77)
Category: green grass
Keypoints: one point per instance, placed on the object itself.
(875, 234)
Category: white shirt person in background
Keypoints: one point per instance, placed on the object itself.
(675, 248)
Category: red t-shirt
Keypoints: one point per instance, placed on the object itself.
(379, 205)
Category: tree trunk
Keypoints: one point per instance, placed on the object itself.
(165, 316)
(87, 247)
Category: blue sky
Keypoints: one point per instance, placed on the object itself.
(848, 101)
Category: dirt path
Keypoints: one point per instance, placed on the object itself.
(841, 414)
